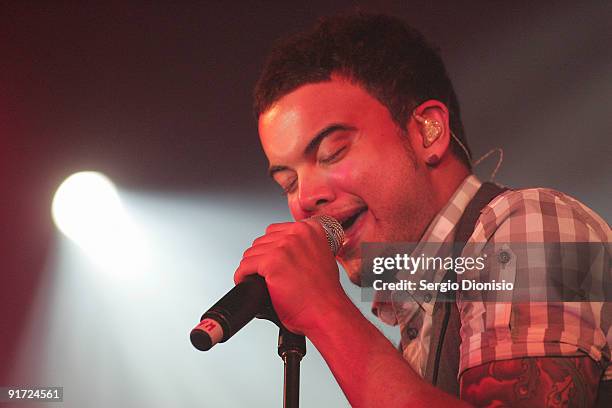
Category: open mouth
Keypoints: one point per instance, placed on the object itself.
(350, 221)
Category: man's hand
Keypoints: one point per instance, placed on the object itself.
(300, 272)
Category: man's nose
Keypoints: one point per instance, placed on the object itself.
(314, 191)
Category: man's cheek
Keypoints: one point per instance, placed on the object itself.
(347, 174)
(295, 209)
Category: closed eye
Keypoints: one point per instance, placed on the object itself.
(288, 188)
(333, 157)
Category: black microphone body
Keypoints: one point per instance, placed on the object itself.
(231, 313)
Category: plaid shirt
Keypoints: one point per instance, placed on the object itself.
(504, 330)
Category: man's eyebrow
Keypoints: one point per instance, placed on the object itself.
(275, 169)
(315, 142)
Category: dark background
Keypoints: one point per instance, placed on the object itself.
(157, 95)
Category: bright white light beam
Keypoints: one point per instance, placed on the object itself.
(88, 210)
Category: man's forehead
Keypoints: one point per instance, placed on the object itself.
(279, 128)
(313, 106)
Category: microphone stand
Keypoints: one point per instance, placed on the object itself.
(291, 349)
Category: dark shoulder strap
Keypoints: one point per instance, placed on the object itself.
(465, 227)
(443, 362)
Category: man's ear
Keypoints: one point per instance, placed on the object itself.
(430, 132)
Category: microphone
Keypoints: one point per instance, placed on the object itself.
(247, 299)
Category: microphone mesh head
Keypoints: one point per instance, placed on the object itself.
(333, 231)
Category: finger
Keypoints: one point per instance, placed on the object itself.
(263, 265)
(315, 225)
(270, 237)
(248, 266)
(312, 228)
(281, 226)
(260, 249)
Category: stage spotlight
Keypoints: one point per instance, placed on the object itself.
(88, 210)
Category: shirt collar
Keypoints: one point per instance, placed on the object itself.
(441, 230)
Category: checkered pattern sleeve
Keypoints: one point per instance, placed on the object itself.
(538, 326)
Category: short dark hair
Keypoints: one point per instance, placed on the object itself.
(389, 59)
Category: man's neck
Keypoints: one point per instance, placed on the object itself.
(446, 178)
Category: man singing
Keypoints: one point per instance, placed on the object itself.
(359, 121)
